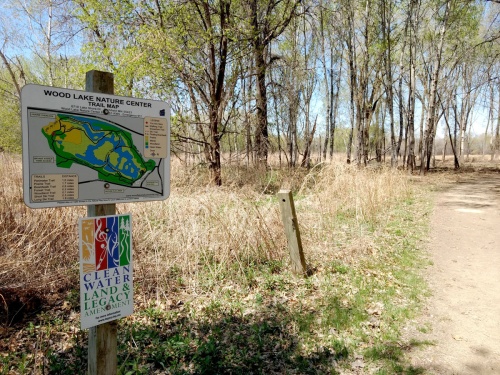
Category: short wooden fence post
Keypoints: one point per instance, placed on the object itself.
(289, 218)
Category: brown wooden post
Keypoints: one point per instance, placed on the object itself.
(102, 351)
(289, 218)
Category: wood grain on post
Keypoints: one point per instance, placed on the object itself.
(289, 218)
(99, 82)
(103, 356)
(102, 349)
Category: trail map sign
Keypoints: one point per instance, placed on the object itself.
(106, 290)
(82, 148)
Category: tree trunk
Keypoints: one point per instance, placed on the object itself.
(328, 83)
(306, 161)
(218, 60)
(351, 57)
(261, 131)
(386, 30)
(12, 74)
(446, 113)
(431, 115)
(262, 34)
(443, 159)
(335, 104)
(422, 121)
(411, 93)
(247, 88)
(259, 52)
(497, 132)
(490, 120)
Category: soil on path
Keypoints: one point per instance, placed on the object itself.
(462, 317)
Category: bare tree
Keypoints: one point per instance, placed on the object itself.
(268, 19)
(430, 122)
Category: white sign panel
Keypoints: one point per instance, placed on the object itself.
(82, 148)
(106, 283)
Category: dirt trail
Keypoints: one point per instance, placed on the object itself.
(462, 317)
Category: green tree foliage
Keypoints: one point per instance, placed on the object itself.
(10, 127)
(266, 75)
(181, 49)
(36, 46)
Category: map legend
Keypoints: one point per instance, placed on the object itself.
(54, 187)
(155, 137)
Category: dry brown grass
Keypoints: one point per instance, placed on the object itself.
(213, 290)
(201, 239)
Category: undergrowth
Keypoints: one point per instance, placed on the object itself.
(213, 289)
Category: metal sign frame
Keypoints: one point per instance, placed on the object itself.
(85, 148)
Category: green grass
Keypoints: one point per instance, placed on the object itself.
(283, 324)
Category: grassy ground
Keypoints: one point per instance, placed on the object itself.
(213, 289)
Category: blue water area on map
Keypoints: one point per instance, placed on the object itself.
(124, 162)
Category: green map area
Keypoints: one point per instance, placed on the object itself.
(97, 144)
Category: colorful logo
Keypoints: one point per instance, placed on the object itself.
(106, 243)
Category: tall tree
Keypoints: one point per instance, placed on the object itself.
(368, 91)
(386, 8)
(452, 44)
(435, 71)
(186, 46)
(268, 20)
(331, 62)
(412, 29)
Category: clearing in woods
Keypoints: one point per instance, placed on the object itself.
(462, 317)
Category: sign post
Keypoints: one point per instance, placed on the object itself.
(96, 149)
(102, 351)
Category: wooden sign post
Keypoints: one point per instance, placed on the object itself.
(66, 138)
(102, 351)
(289, 218)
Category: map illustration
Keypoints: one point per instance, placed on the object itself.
(87, 148)
(97, 144)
